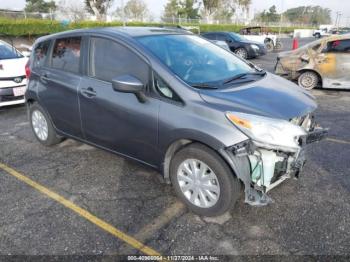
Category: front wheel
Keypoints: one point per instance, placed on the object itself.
(241, 52)
(203, 180)
(308, 80)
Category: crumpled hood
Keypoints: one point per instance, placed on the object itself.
(272, 96)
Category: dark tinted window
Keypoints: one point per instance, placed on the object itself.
(8, 52)
(221, 37)
(210, 36)
(66, 54)
(40, 53)
(342, 46)
(110, 59)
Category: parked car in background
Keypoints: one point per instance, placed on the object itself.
(324, 63)
(208, 120)
(262, 35)
(239, 45)
(222, 44)
(12, 75)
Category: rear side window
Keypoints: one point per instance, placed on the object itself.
(210, 36)
(109, 59)
(339, 46)
(40, 53)
(66, 54)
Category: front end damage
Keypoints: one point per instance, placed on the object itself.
(261, 167)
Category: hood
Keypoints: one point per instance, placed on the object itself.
(13, 67)
(272, 96)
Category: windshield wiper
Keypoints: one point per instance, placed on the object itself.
(242, 75)
(203, 86)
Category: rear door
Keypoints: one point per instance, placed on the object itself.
(334, 64)
(59, 81)
(112, 119)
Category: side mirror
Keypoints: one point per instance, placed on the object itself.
(129, 84)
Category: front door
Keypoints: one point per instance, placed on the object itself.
(115, 120)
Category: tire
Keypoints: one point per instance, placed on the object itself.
(318, 35)
(269, 46)
(229, 186)
(241, 52)
(279, 45)
(308, 80)
(42, 127)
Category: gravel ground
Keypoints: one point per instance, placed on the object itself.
(310, 216)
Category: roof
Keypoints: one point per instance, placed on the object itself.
(122, 31)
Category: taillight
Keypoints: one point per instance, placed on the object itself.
(27, 69)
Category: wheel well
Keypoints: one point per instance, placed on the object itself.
(175, 147)
(30, 101)
(310, 70)
(172, 149)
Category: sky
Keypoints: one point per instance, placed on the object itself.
(156, 6)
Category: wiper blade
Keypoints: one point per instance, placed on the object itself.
(242, 75)
(203, 86)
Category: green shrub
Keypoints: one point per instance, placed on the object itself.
(38, 27)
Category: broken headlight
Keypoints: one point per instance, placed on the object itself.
(265, 130)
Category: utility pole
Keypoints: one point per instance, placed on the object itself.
(337, 19)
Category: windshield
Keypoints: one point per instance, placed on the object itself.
(195, 60)
(8, 52)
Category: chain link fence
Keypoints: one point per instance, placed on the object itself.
(79, 14)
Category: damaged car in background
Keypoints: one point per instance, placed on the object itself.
(206, 119)
(322, 63)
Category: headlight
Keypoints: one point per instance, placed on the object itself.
(254, 47)
(275, 132)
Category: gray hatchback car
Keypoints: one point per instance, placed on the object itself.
(209, 121)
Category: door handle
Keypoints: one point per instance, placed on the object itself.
(88, 92)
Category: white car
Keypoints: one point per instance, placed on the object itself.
(12, 75)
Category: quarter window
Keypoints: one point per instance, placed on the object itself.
(66, 54)
(164, 90)
(40, 53)
(339, 46)
(109, 59)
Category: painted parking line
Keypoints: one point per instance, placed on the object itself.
(341, 141)
(136, 244)
(162, 220)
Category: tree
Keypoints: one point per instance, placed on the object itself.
(314, 15)
(210, 7)
(74, 11)
(40, 6)
(98, 7)
(136, 10)
(180, 8)
(268, 16)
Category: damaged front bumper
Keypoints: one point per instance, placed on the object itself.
(261, 167)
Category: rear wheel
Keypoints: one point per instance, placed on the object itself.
(308, 80)
(269, 46)
(203, 181)
(42, 126)
(241, 52)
